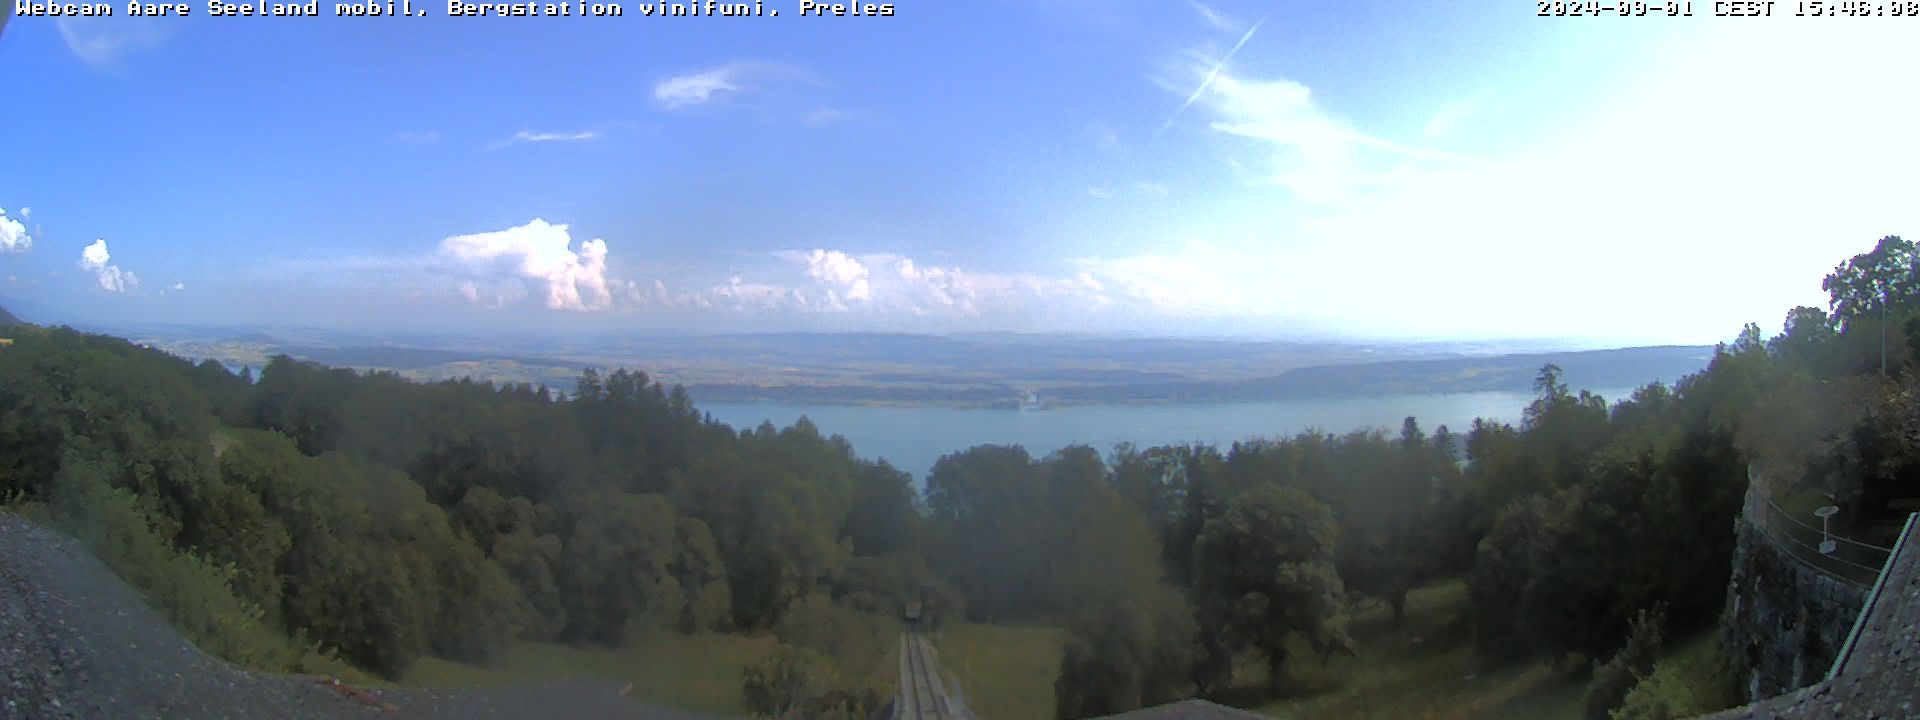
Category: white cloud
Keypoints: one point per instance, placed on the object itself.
(657, 295)
(95, 256)
(846, 276)
(881, 287)
(698, 88)
(100, 41)
(1312, 154)
(1302, 147)
(926, 289)
(739, 294)
(1099, 193)
(14, 238)
(531, 137)
(1585, 231)
(1215, 19)
(1211, 73)
(498, 264)
(179, 286)
(95, 259)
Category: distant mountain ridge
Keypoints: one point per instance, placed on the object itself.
(1617, 368)
(1623, 367)
(981, 370)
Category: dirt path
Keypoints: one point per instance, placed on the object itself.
(76, 642)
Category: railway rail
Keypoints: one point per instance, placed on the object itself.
(922, 694)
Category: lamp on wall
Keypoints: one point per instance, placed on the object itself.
(1826, 534)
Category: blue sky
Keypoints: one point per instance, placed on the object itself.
(1366, 169)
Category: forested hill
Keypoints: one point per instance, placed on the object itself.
(7, 318)
(380, 519)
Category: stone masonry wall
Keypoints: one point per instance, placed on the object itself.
(1785, 620)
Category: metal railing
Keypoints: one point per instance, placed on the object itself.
(1850, 560)
(1873, 599)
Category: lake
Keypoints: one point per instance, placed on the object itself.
(912, 438)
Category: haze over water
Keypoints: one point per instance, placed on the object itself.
(912, 438)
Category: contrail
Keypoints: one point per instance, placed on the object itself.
(1211, 74)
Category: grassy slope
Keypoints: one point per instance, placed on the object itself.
(1006, 673)
(1407, 673)
(698, 672)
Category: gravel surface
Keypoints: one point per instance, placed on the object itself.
(76, 642)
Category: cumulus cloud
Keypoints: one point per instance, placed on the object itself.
(179, 286)
(931, 288)
(499, 264)
(636, 295)
(739, 294)
(14, 238)
(698, 88)
(846, 276)
(95, 259)
(885, 285)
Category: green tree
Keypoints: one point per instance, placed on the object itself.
(1130, 637)
(1864, 286)
(616, 567)
(1502, 571)
(1266, 574)
(883, 519)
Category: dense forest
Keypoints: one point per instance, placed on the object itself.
(314, 516)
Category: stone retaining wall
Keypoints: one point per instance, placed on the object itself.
(1785, 619)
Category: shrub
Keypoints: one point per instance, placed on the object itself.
(785, 680)
(852, 639)
(1661, 696)
(1612, 680)
(1683, 687)
(195, 594)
